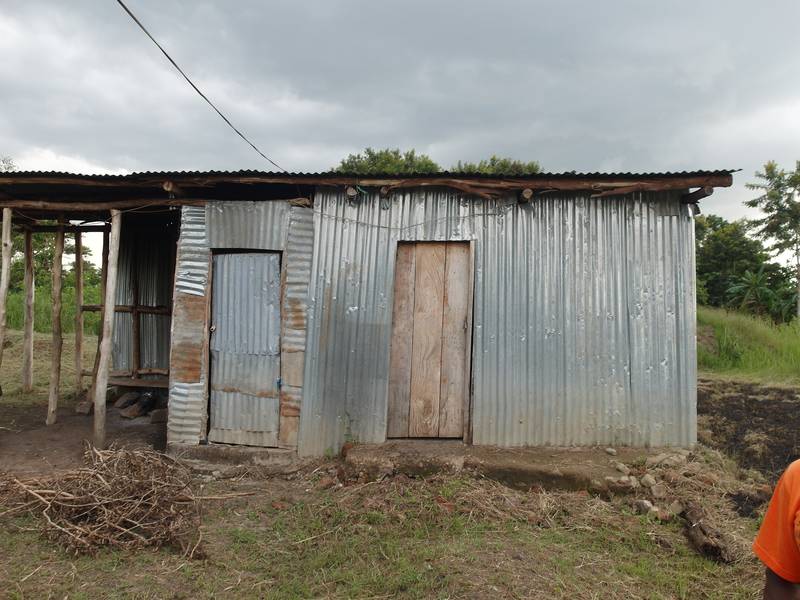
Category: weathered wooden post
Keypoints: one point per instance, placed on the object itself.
(103, 364)
(5, 278)
(27, 338)
(103, 275)
(58, 340)
(78, 313)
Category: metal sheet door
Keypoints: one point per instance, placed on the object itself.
(245, 349)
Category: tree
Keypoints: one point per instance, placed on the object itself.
(724, 253)
(751, 292)
(498, 166)
(780, 226)
(388, 161)
(43, 252)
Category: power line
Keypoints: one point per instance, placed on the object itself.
(196, 89)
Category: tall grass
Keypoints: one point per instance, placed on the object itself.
(747, 347)
(43, 310)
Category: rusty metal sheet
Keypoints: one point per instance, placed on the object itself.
(245, 348)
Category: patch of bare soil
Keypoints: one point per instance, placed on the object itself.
(757, 425)
(28, 446)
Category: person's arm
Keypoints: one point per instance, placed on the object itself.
(777, 588)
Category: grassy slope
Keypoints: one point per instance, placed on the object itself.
(738, 346)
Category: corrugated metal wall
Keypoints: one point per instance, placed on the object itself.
(273, 225)
(583, 328)
(150, 258)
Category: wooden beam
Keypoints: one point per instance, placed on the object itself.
(67, 228)
(104, 364)
(537, 182)
(27, 337)
(129, 204)
(5, 277)
(58, 340)
(699, 194)
(78, 313)
(128, 308)
(161, 382)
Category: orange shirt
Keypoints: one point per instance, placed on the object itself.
(778, 542)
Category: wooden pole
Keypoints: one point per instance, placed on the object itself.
(58, 340)
(135, 320)
(101, 382)
(27, 338)
(78, 313)
(103, 274)
(5, 278)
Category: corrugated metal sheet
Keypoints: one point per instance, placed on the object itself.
(247, 225)
(273, 225)
(192, 268)
(245, 349)
(583, 325)
(151, 260)
(187, 412)
(297, 262)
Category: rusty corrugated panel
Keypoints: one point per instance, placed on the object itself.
(187, 412)
(245, 349)
(192, 265)
(188, 361)
(247, 225)
(297, 263)
(583, 325)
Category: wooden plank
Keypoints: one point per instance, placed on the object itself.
(58, 339)
(78, 313)
(5, 277)
(27, 336)
(454, 340)
(426, 354)
(149, 310)
(101, 382)
(402, 337)
(467, 417)
(160, 382)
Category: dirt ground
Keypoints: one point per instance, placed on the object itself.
(757, 425)
(27, 445)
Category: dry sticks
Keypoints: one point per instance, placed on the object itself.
(121, 499)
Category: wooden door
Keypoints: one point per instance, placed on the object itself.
(245, 349)
(431, 333)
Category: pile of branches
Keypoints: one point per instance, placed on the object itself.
(121, 499)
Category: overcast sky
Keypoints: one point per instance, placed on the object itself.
(586, 86)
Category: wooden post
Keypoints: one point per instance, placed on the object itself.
(27, 339)
(5, 278)
(58, 341)
(101, 382)
(103, 274)
(78, 313)
(136, 362)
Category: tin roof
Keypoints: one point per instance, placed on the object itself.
(46, 190)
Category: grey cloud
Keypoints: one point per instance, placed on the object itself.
(624, 85)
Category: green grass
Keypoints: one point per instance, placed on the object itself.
(43, 310)
(737, 345)
(334, 544)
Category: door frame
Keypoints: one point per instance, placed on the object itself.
(466, 430)
(209, 324)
